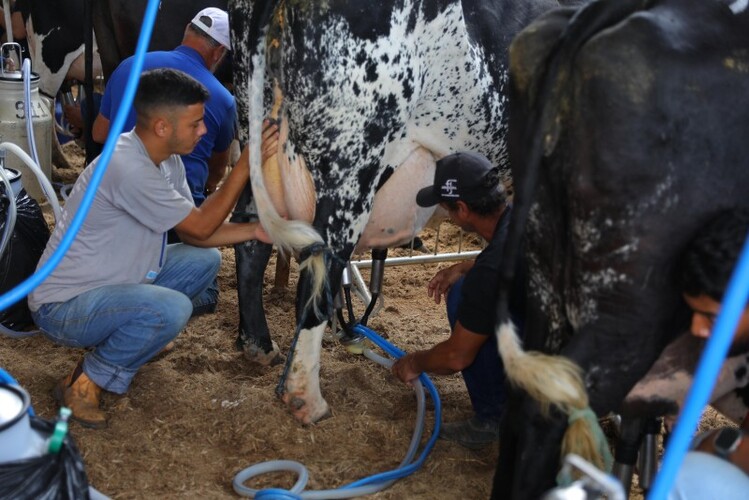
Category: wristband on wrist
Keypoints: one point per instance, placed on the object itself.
(726, 441)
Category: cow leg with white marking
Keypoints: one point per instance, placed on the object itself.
(302, 389)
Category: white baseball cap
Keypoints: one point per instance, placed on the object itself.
(214, 23)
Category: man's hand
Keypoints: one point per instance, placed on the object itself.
(268, 148)
(444, 279)
(261, 235)
(404, 369)
(270, 139)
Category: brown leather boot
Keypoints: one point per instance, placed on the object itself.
(81, 395)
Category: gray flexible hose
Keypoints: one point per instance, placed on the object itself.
(293, 466)
(10, 223)
(33, 164)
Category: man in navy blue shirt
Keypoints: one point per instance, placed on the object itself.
(467, 185)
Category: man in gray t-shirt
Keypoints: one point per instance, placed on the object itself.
(120, 288)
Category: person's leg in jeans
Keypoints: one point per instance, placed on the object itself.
(206, 301)
(127, 325)
(190, 270)
(485, 380)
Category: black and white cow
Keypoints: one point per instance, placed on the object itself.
(627, 133)
(54, 31)
(370, 95)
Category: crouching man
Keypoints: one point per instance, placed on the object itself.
(120, 289)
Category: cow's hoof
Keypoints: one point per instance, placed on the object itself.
(304, 412)
(256, 355)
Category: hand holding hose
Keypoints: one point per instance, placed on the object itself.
(405, 369)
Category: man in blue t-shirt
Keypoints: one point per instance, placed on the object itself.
(204, 45)
(467, 185)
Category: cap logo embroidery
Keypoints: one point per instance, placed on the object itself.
(449, 189)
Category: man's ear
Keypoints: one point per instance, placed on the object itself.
(463, 209)
(161, 127)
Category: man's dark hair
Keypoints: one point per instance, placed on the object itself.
(488, 204)
(709, 259)
(166, 88)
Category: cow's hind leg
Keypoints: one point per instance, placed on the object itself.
(302, 389)
(251, 260)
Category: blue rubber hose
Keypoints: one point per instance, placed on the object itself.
(717, 346)
(365, 486)
(22, 290)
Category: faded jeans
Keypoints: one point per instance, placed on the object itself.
(129, 324)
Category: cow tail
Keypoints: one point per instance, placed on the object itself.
(554, 380)
(550, 380)
(289, 236)
(547, 379)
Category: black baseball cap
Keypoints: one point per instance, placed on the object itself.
(458, 176)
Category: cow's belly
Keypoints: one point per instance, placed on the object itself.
(395, 217)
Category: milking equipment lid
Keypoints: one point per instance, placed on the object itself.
(16, 76)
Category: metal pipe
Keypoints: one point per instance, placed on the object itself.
(419, 259)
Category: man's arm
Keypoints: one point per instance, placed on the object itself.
(445, 358)
(201, 223)
(100, 129)
(739, 457)
(230, 233)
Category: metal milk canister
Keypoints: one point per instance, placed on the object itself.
(13, 126)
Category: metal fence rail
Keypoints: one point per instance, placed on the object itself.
(362, 290)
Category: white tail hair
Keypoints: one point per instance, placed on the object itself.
(288, 236)
(550, 380)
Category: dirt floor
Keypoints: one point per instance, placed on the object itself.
(202, 413)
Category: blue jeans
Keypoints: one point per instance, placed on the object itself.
(485, 377)
(129, 324)
(206, 302)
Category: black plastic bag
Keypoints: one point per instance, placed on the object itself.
(22, 254)
(52, 476)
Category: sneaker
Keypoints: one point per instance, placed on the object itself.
(473, 433)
